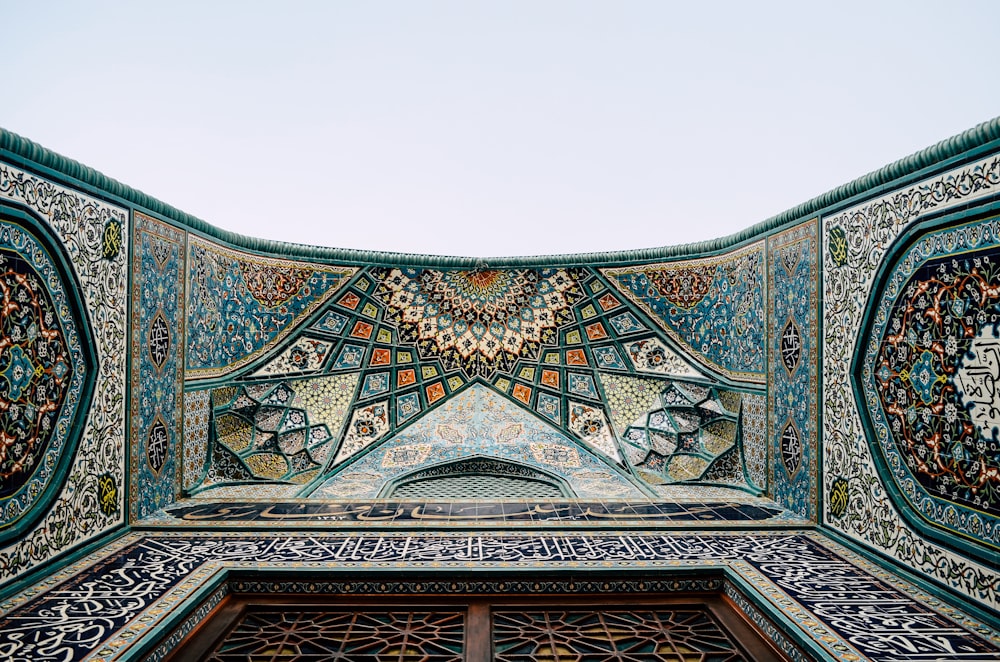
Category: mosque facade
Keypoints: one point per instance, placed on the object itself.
(783, 444)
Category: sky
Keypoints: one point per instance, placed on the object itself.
(493, 128)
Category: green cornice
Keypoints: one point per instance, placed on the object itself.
(966, 141)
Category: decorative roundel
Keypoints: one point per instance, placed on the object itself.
(44, 371)
(937, 367)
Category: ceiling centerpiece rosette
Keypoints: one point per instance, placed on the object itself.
(482, 320)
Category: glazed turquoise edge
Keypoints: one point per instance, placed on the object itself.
(934, 155)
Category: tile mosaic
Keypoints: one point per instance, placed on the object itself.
(626, 324)
(362, 330)
(195, 440)
(755, 444)
(326, 400)
(157, 385)
(591, 426)
(860, 615)
(608, 358)
(350, 300)
(305, 355)
(477, 321)
(331, 322)
(652, 356)
(477, 422)
(713, 307)
(405, 377)
(608, 302)
(549, 406)
(629, 399)
(279, 431)
(45, 371)
(550, 378)
(581, 385)
(376, 383)
(241, 305)
(793, 302)
(675, 431)
(351, 357)
(576, 357)
(434, 392)
(407, 406)
(929, 375)
(381, 356)
(908, 347)
(856, 242)
(368, 425)
(90, 501)
(595, 331)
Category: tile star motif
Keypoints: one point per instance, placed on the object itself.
(478, 321)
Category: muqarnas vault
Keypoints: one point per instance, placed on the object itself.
(782, 444)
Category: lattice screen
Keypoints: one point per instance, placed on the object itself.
(476, 487)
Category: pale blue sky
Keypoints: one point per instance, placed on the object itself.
(502, 128)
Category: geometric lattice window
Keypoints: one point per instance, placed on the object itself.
(273, 635)
(514, 618)
(478, 478)
(480, 487)
(655, 634)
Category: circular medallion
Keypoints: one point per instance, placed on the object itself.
(44, 370)
(938, 372)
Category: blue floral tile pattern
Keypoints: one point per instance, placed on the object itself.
(713, 307)
(240, 305)
(157, 366)
(793, 302)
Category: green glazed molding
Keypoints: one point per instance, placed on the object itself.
(978, 136)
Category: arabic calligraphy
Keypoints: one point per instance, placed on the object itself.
(472, 511)
(977, 378)
(855, 610)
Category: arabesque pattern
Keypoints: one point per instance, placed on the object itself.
(95, 237)
(157, 383)
(478, 321)
(855, 244)
(42, 371)
(277, 431)
(713, 307)
(673, 431)
(933, 373)
(241, 305)
(418, 337)
(793, 365)
(478, 422)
